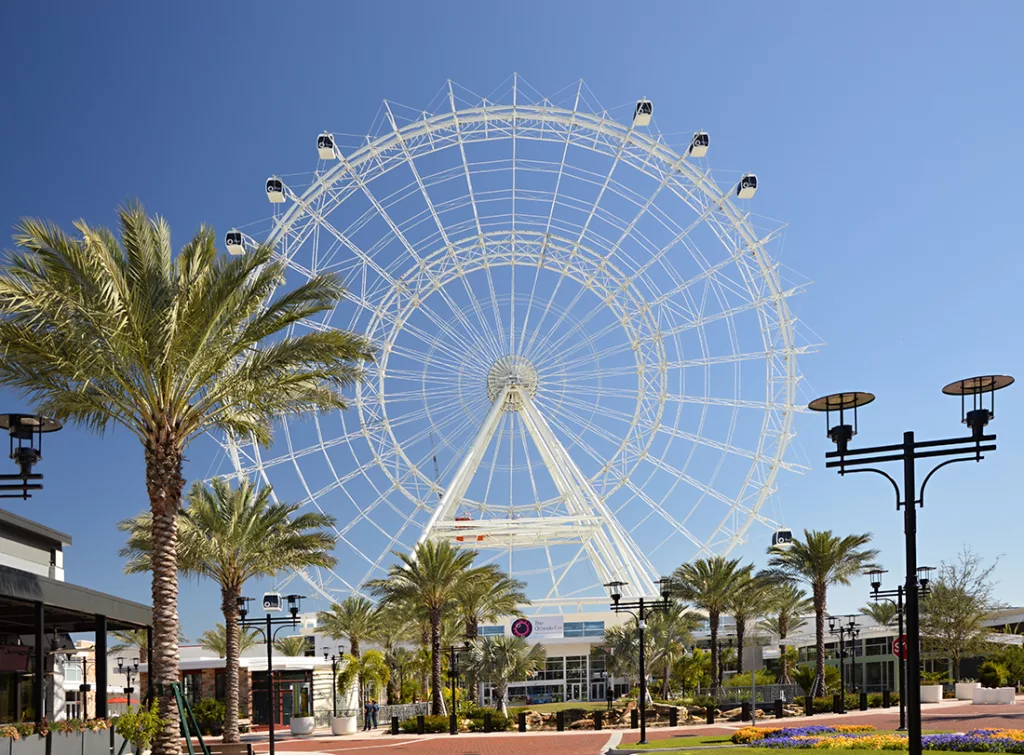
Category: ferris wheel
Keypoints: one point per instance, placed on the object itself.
(586, 364)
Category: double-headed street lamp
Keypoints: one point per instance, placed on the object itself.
(836, 627)
(453, 675)
(639, 609)
(128, 671)
(334, 677)
(923, 578)
(265, 626)
(848, 461)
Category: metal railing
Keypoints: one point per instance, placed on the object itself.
(767, 693)
(404, 711)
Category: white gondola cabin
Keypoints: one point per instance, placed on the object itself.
(699, 144)
(325, 146)
(782, 538)
(747, 186)
(643, 112)
(275, 190)
(234, 242)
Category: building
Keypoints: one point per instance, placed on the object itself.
(39, 611)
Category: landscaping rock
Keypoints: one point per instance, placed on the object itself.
(583, 723)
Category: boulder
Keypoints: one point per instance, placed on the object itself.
(583, 723)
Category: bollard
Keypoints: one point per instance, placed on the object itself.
(886, 699)
(598, 720)
(522, 722)
(837, 703)
(710, 715)
(744, 711)
(394, 725)
(809, 705)
(634, 719)
(778, 709)
(673, 716)
(488, 725)
(420, 727)
(863, 700)
(560, 720)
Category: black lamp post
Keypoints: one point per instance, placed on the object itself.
(639, 610)
(334, 678)
(128, 671)
(837, 628)
(265, 627)
(453, 676)
(854, 631)
(26, 431)
(84, 687)
(923, 578)
(969, 448)
(721, 659)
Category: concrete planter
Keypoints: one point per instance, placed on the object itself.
(33, 745)
(996, 696)
(931, 693)
(343, 725)
(303, 725)
(965, 690)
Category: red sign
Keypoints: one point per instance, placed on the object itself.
(899, 647)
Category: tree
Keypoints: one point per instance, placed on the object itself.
(750, 600)
(97, 330)
(668, 634)
(708, 583)
(394, 627)
(693, 670)
(353, 619)
(135, 640)
(402, 662)
(292, 646)
(821, 560)
(953, 614)
(787, 610)
(494, 595)
(215, 640)
(430, 578)
(231, 535)
(505, 659)
(882, 613)
(623, 644)
(369, 670)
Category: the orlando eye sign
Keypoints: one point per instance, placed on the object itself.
(539, 627)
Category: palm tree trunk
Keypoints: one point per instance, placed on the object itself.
(229, 605)
(784, 678)
(164, 483)
(715, 660)
(741, 630)
(354, 642)
(435, 662)
(819, 640)
(425, 643)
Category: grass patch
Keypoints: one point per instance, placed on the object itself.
(712, 740)
(554, 707)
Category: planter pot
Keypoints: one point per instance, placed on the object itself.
(33, 745)
(997, 696)
(343, 725)
(931, 693)
(965, 690)
(66, 744)
(303, 725)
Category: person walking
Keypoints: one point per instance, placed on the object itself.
(374, 710)
(367, 714)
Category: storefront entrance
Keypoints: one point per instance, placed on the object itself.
(294, 696)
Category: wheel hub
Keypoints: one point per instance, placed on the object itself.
(512, 369)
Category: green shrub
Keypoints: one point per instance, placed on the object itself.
(934, 677)
(209, 715)
(431, 725)
(139, 726)
(992, 674)
(498, 721)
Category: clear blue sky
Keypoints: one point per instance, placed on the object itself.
(887, 136)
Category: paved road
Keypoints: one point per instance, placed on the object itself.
(947, 717)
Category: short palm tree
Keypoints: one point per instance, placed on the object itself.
(670, 633)
(789, 605)
(751, 599)
(353, 619)
(292, 646)
(430, 579)
(820, 560)
(709, 583)
(97, 330)
(401, 661)
(232, 535)
(493, 596)
(883, 612)
(216, 640)
(505, 659)
(394, 628)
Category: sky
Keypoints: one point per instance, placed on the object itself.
(886, 137)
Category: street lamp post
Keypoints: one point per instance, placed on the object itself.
(266, 628)
(453, 676)
(837, 628)
(854, 631)
(848, 461)
(334, 678)
(642, 610)
(128, 671)
(923, 578)
(84, 687)
(26, 431)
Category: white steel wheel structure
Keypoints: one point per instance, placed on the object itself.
(586, 363)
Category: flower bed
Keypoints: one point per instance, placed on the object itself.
(756, 734)
(863, 738)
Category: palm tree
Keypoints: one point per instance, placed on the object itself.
(819, 560)
(292, 646)
(749, 601)
(431, 578)
(493, 596)
(394, 627)
(670, 633)
(708, 583)
(97, 330)
(401, 660)
(134, 639)
(354, 619)
(505, 659)
(232, 535)
(788, 608)
(215, 640)
(883, 613)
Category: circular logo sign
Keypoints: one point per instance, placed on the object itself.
(521, 628)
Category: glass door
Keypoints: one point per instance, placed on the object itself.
(574, 691)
